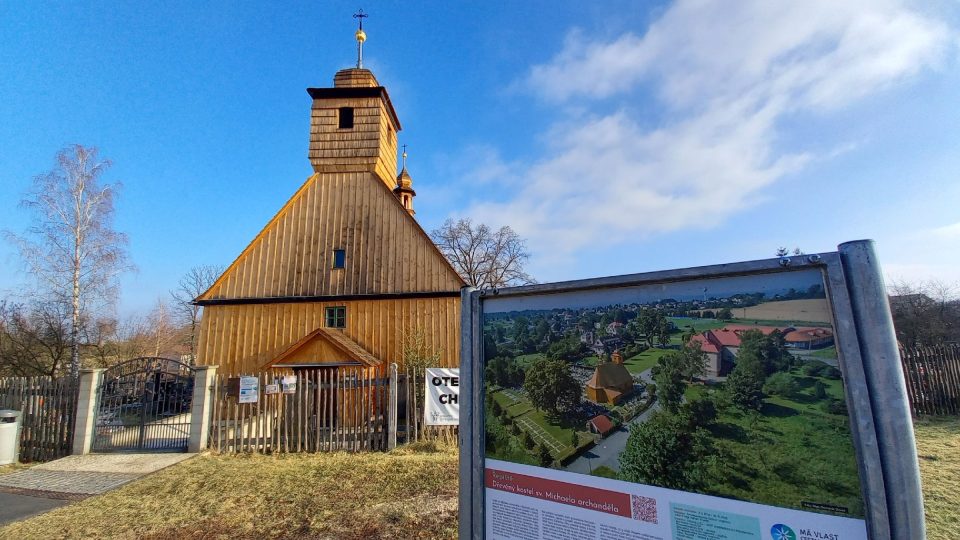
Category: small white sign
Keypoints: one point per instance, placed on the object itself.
(443, 397)
(249, 390)
(289, 384)
(271, 389)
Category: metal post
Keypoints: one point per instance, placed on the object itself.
(392, 409)
(881, 359)
(466, 413)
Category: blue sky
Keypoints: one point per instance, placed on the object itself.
(617, 137)
(768, 284)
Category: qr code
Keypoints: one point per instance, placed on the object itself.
(644, 508)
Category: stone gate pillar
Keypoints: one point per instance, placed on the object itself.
(201, 408)
(87, 402)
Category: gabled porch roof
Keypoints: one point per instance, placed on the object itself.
(324, 339)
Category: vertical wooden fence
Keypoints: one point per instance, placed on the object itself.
(411, 428)
(932, 375)
(343, 408)
(48, 408)
(332, 409)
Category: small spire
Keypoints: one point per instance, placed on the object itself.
(404, 155)
(361, 36)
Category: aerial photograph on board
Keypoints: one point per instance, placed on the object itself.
(728, 387)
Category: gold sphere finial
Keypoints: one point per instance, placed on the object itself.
(361, 36)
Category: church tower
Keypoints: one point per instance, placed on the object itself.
(342, 272)
(353, 126)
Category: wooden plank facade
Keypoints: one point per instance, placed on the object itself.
(244, 338)
(343, 240)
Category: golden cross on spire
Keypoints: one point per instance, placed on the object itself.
(361, 36)
(404, 156)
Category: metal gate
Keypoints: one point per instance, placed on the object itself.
(144, 405)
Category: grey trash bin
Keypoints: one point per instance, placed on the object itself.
(9, 436)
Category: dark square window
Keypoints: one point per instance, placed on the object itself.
(339, 258)
(337, 317)
(346, 117)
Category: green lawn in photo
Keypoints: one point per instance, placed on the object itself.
(791, 452)
(590, 361)
(684, 323)
(514, 407)
(560, 430)
(694, 391)
(644, 361)
(605, 472)
(778, 323)
(524, 360)
(830, 353)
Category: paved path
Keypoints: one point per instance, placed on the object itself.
(43, 487)
(607, 452)
(14, 507)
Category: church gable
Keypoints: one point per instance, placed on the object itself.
(382, 248)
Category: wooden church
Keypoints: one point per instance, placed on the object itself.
(343, 271)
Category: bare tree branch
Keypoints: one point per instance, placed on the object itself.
(196, 281)
(925, 313)
(482, 257)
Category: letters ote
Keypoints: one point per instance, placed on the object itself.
(443, 397)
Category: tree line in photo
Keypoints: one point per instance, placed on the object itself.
(682, 445)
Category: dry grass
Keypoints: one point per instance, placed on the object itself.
(938, 446)
(14, 467)
(410, 493)
(406, 494)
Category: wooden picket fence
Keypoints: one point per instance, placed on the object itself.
(411, 386)
(48, 408)
(331, 409)
(932, 375)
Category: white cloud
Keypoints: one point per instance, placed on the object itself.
(947, 232)
(724, 73)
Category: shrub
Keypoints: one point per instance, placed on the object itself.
(781, 384)
(835, 406)
(543, 456)
(830, 372)
(528, 440)
(813, 368)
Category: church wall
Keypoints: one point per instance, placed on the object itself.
(242, 338)
(386, 251)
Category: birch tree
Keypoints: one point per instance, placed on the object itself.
(484, 258)
(71, 248)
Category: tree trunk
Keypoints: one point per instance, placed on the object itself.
(75, 318)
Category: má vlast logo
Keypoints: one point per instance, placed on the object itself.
(782, 532)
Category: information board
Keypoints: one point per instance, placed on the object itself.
(723, 402)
